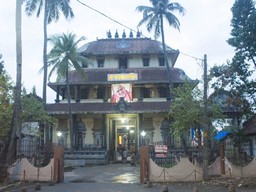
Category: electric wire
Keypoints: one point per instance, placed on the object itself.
(123, 25)
(108, 17)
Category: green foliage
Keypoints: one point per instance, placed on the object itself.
(54, 8)
(187, 109)
(64, 57)
(33, 110)
(6, 103)
(244, 29)
(237, 76)
(152, 16)
(1, 64)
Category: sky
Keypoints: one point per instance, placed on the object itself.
(204, 29)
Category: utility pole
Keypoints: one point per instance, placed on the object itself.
(205, 123)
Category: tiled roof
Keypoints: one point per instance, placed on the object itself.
(124, 46)
(145, 75)
(105, 108)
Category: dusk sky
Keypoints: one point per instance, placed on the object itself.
(204, 29)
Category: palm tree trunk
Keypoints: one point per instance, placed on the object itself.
(15, 125)
(166, 59)
(45, 51)
(185, 146)
(70, 119)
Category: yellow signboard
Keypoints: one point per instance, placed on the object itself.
(123, 77)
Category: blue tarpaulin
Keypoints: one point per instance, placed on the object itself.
(221, 135)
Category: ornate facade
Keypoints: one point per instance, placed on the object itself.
(125, 93)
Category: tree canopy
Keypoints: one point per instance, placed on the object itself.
(52, 10)
(63, 58)
(154, 17)
(187, 110)
(238, 75)
(6, 102)
(243, 33)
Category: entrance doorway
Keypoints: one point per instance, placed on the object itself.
(122, 135)
(125, 141)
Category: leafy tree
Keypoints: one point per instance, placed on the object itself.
(33, 108)
(62, 58)
(187, 112)
(237, 75)
(6, 111)
(154, 17)
(1, 64)
(6, 101)
(52, 9)
(244, 30)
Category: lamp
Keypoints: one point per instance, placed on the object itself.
(143, 133)
(59, 134)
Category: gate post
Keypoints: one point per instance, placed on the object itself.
(222, 158)
(144, 164)
(58, 165)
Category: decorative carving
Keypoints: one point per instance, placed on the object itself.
(122, 105)
(89, 123)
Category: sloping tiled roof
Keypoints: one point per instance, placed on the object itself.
(145, 75)
(103, 108)
(124, 46)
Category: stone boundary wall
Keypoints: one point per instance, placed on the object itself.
(23, 170)
(233, 170)
(186, 171)
(183, 171)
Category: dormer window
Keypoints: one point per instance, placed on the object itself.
(145, 61)
(161, 61)
(100, 63)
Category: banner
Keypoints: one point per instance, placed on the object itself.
(121, 90)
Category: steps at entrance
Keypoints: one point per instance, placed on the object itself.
(84, 158)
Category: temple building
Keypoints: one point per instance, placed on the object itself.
(124, 100)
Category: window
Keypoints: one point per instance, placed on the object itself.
(100, 93)
(163, 92)
(123, 63)
(161, 61)
(84, 93)
(146, 92)
(145, 61)
(100, 63)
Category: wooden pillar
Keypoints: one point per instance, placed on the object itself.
(222, 157)
(57, 100)
(78, 94)
(144, 164)
(104, 131)
(58, 170)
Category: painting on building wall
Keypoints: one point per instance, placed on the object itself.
(121, 90)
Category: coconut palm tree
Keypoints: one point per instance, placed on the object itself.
(62, 58)
(15, 124)
(52, 9)
(154, 17)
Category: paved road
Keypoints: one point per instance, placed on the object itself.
(120, 178)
